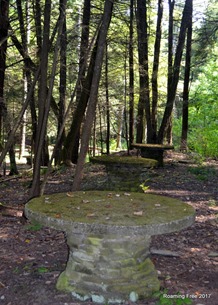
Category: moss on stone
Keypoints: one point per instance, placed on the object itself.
(124, 160)
(110, 208)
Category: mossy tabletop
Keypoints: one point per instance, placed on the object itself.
(111, 211)
(146, 162)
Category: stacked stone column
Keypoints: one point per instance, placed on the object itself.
(109, 268)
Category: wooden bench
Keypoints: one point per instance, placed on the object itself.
(153, 151)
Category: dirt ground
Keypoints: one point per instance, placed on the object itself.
(31, 257)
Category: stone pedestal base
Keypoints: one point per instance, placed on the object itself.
(109, 268)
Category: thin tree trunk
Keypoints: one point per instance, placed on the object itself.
(120, 112)
(107, 102)
(171, 4)
(44, 102)
(184, 135)
(79, 112)
(108, 8)
(4, 115)
(71, 143)
(155, 70)
(176, 70)
(20, 117)
(131, 77)
(62, 87)
(40, 135)
(4, 25)
(25, 36)
(144, 98)
(38, 24)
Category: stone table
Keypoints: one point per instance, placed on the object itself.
(108, 234)
(125, 173)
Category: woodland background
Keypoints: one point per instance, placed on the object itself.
(80, 77)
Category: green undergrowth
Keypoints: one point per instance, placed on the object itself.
(203, 172)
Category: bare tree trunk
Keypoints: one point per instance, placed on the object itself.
(108, 8)
(119, 126)
(144, 98)
(25, 38)
(184, 136)
(71, 143)
(131, 76)
(40, 135)
(176, 70)
(79, 112)
(107, 102)
(171, 4)
(4, 25)
(62, 88)
(155, 70)
(38, 24)
(4, 115)
(44, 102)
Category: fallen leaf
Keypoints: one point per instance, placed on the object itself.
(57, 215)
(85, 201)
(140, 213)
(70, 194)
(126, 194)
(90, 215)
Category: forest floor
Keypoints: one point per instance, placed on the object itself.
(32, 257)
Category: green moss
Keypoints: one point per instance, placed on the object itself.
(124, 160)
(111, 208)
(63, 283)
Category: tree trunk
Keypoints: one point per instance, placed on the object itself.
(144, 98)
(184, 136)
(62, 88)
(107, 102)
(4, 116)
(40, 135)
(71, 143)
(176, 70)
(108, 8)
(131, 77)
(4, 24)
(170, 64)
(79, 112)
(38, 24)
(155, 70)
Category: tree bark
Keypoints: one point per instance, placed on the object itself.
(156, 61)
(40, 134)
(131, 76)
(107, 102)
(4, 115)
(62, 87)
(108, 9)
(144, 96)
(176, 70)
(79, 112)
(184, 136)
(4, 25)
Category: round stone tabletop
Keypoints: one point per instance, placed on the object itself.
(105, 212)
